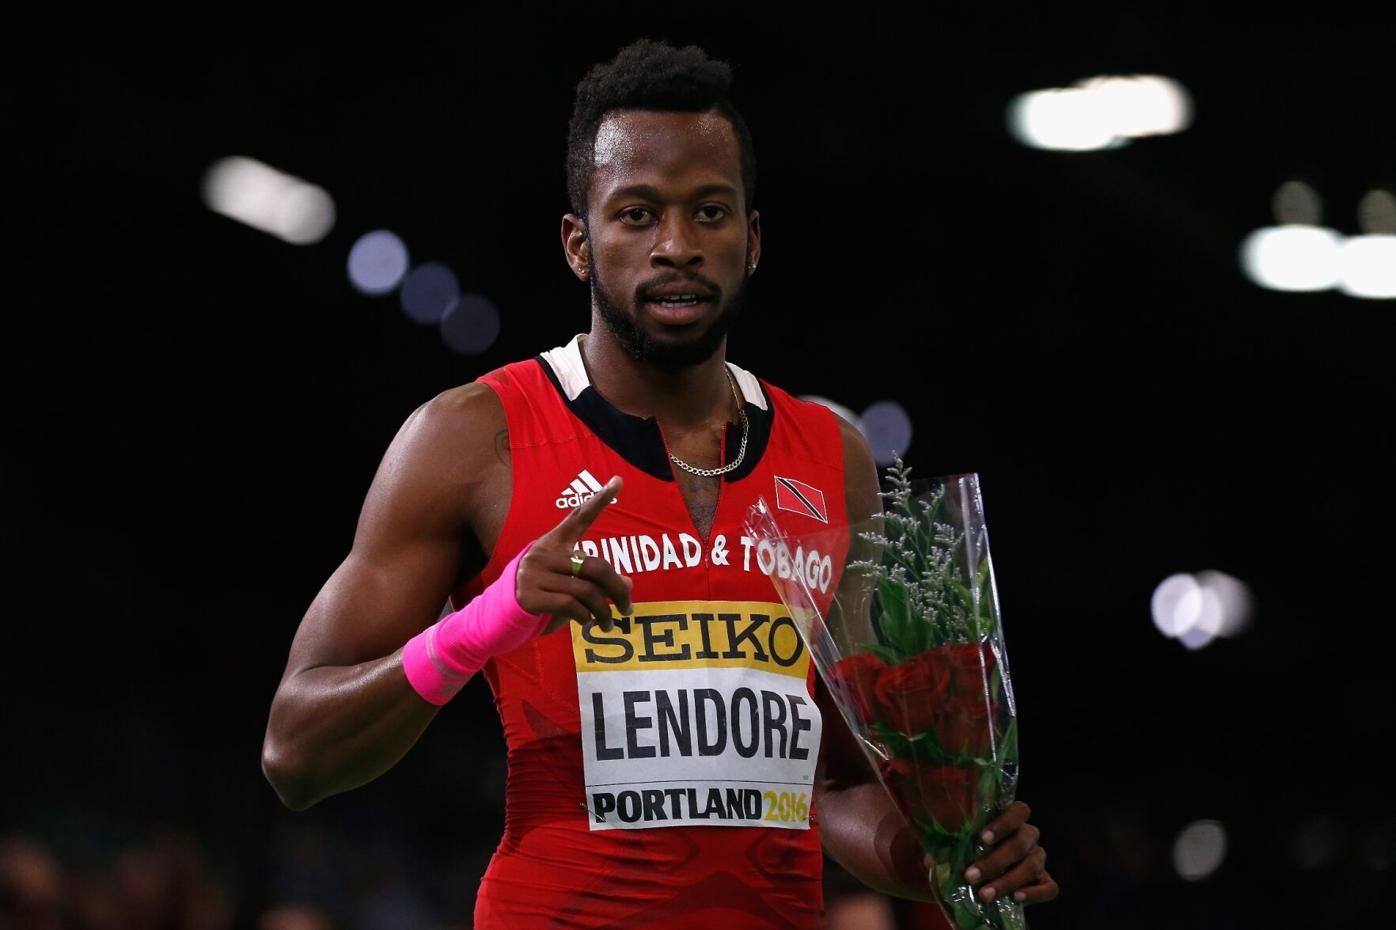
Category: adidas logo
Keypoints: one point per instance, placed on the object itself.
(582, 488)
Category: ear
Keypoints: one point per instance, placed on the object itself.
(753, 245)
(574, 245)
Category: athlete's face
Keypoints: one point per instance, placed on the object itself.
(667, 215)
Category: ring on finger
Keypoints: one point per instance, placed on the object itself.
(577, 560)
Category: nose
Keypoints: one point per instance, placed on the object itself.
(676, 242)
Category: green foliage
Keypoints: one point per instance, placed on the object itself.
(926, 593)
(924, 597)
(885, 653)
(895, 617)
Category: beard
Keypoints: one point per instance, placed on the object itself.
(663, 354)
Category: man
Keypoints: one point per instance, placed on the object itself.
(672, 759)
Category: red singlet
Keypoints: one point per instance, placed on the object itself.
(660, 775)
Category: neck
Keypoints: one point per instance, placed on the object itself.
(688, 398)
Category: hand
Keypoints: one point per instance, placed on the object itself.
(544, 583)
(1015, 865)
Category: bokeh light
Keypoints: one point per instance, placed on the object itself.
(470, 325)
(260, 196)
(428, 292)
(887, 427)
(1140, 105)
(1293, 257)
(1230, 598)
(377, 262)
(1367, 267)
(1376, 212)
(1100, 112)
(1064, 119)
(1199, 849)
(1296, 202)
(1195, 609)
(1176, 604)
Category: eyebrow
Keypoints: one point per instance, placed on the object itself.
(652, 193)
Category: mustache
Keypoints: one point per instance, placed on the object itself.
(699, 284)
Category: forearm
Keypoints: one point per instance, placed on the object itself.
(863, 831)
(334, 728)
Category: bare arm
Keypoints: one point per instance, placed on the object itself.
(344, 712)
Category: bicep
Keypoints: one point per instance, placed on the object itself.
(407, 547)
(841, 758)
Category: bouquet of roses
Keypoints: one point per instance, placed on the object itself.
(910, 648)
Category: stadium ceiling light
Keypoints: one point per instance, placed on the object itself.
(1100, 112)
(277, 203)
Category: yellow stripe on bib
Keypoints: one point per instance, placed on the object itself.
(663, 635)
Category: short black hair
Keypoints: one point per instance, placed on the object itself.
(650, 75)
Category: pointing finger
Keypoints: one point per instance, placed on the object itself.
(576, 523)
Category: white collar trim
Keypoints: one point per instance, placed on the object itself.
(566, 363)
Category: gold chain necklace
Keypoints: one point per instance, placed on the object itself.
(741, 412)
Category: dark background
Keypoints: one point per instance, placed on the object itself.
(195, 411)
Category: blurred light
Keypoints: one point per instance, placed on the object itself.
(1367, 267)
(1063, 119)
(428, 292)
(888, 430)
(471, 325)
(1199, 849)
(1314, 842)
(838, 408)
(1141, 105)
(1297, 202)
(272, 201)
(1176, 603)
(1196, 609)
(1376, 212)
(377, 262)
(1196, 638)
(1232, 600)
(1099, 112)
(1292, 257)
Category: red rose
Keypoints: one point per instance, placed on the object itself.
(970, 665)
(859, 675)
(963, 722)
(948, 793)
(945, 794)
(899, 775)
(907, 693)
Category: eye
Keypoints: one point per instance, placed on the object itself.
(630, 212)
(721, 211)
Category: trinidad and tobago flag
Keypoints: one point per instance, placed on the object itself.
(798, 497)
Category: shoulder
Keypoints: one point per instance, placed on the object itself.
(456, 420)
(857, 455)
(859, 472)
(859, 467)
(445, 449)
(466, 406)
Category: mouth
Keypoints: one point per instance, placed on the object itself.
(678, 310)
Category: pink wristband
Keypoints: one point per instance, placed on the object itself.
(439, 660)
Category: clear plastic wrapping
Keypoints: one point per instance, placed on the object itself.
(910, 647)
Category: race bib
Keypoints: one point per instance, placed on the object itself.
(697, 712)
